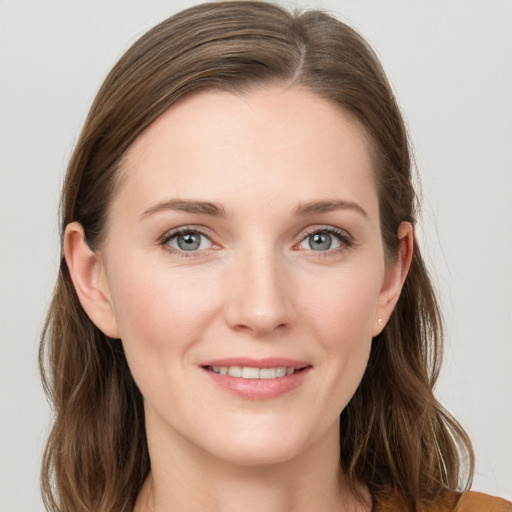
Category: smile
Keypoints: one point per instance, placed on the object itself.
(247, 372)
(257, 379)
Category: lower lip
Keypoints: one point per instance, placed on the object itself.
(258, 389)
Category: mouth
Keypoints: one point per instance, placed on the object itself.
(257, 379)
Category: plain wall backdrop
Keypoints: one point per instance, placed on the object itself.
(450, 64)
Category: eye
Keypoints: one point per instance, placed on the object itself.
(326, 239)
(188, 240)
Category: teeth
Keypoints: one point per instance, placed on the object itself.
(268, 373)
(253, 373)
(250, 373)
(280, 372)
(235, 371)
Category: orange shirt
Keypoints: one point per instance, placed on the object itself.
(468, 501)
(478, 502)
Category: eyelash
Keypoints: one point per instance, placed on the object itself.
(344, 238)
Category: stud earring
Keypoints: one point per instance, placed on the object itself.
(380, 321)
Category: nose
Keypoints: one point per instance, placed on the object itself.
(259, 295)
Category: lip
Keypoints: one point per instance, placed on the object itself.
(258, 389)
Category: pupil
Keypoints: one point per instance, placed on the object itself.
(321, 241)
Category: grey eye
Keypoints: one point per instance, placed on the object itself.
(191, 241)
(321, 241)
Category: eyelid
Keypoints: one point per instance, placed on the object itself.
(326, 227)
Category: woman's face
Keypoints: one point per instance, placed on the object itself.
(245, 239)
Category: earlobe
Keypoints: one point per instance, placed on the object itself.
(396, 273)
(87, 273)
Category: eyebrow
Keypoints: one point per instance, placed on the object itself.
(189, 206)
(217, 210)
(313, 207)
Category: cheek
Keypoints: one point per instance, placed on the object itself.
(343, 315)
(160, 311)
(160, 315)
(344, 308)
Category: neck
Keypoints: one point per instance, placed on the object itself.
(185, 478)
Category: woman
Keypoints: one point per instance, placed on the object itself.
(242, 319)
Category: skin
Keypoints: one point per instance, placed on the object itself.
(255, 287)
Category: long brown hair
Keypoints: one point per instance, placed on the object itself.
(394, 433)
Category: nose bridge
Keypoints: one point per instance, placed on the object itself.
(259, 297)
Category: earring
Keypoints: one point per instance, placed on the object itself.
(380, 321)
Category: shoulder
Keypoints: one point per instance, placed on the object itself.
(451, 501)
(471, 501)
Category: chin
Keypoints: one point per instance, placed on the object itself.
(252, 456)
(258, 446)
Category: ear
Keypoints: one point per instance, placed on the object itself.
(88, 276)
(394, 278)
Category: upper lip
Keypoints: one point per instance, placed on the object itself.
(250, 362)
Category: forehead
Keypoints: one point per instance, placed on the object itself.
(273, 143)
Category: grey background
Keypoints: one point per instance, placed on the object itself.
(450, 63)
